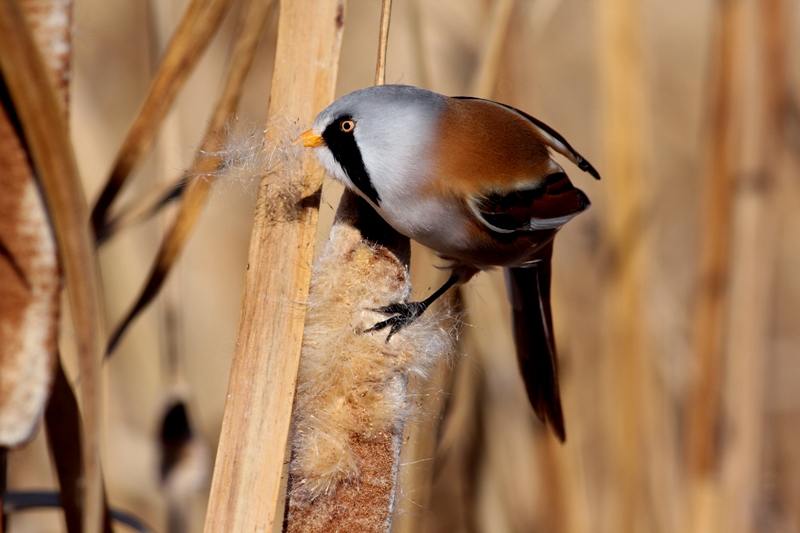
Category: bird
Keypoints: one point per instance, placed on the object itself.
(473, 180)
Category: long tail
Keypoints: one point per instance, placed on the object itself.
(529, 292)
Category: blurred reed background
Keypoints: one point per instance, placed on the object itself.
(676, 296)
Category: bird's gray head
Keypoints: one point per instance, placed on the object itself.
(376, 140)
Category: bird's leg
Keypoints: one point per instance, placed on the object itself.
(403, 314)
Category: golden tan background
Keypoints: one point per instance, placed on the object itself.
(663, 98)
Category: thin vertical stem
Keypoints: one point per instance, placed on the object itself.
(626, 149)
(383, 42)
(703, 406)
(750, 312)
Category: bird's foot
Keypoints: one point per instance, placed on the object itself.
(400, 316)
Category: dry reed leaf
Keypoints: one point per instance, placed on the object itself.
(63, 421)
(141, 209)
(199, 24)
(255, 424)
(23, 500)
(44, 127)
(210, 157)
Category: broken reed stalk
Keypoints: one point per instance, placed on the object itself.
(199, 24)
(245, 489)
(206, 164)
(44, 126)
(628, 365)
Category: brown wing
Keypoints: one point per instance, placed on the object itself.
(550, 136)
(547, 206)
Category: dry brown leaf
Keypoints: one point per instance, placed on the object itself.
(199, 24)
(43, 125)
(206, 165)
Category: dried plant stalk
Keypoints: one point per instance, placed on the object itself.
(206, 164)
(703, 408)
(713, 270)
(749, 313)
(198, 26)
(143, 208)
(747, 353)
(246, 485)
(383, 42)
(51, 25)
(628, 367)
(44, 127)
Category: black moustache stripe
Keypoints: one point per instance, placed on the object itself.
(345, 150)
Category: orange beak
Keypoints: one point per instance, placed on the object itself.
(309, 139)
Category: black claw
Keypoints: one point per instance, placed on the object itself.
(395, 309)
(402, 315)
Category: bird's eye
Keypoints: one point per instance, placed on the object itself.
(347, 126)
